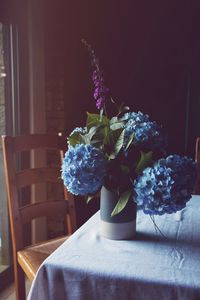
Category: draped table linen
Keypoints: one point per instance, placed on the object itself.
(150, 267)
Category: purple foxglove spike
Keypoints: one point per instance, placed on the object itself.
(101, 91)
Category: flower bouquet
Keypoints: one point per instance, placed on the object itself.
(125, 153)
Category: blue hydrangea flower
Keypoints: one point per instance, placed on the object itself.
(167, 186)
(147, 134)
(79, 130)
(135, 118)
(83, 169)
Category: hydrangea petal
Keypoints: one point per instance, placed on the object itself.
(83, 169)
(167, 186)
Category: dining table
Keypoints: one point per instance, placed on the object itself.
(162, 261)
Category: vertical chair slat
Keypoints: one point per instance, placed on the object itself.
(16, 180)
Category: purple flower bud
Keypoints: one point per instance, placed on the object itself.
(97, 83)
(96, 94)
(100, 102)
(101, 91)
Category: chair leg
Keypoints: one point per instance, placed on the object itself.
(20, 288)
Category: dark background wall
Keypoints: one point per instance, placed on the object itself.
(149, 52)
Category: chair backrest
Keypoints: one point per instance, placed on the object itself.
(197, 159)
(17, 179)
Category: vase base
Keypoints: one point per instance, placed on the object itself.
(118, 231)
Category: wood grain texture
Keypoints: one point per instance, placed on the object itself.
(27, 260)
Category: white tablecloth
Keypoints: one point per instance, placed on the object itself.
(151, 267)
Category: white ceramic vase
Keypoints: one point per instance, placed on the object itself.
(119, 227)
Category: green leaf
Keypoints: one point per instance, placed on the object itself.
(111, 136)
(118, 143)
(96, 143)
(105, 134)
(131, 138)
(121, 203)
(75, 138)
(113, 120)
(145, 160)
(116, 125)
(96, 120)
(88, 136)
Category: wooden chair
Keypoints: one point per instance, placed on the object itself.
(28, 259)
(197, 159)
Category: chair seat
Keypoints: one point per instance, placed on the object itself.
(31, 257)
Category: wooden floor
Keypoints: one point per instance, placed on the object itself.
(9, 292)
